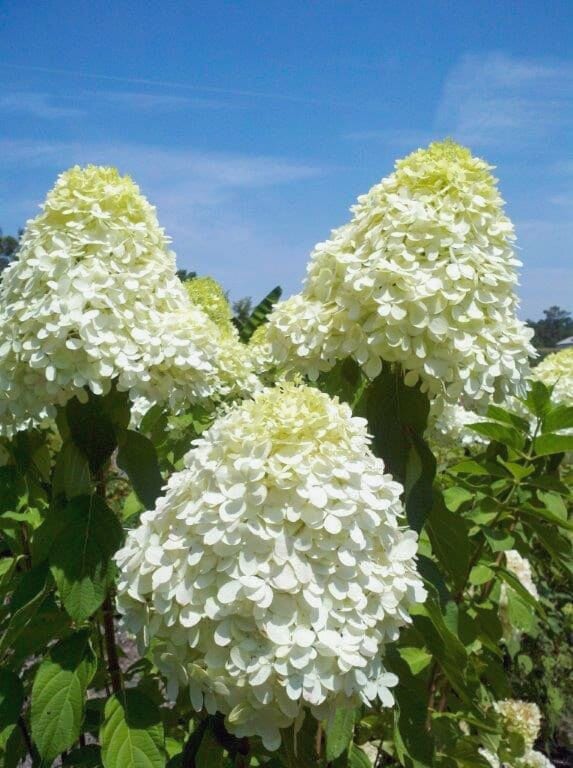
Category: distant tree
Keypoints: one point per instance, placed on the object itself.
(556, 325)
(242, 309)
(8, 248)
(184, 275)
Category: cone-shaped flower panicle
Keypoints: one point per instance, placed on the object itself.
(276, 566)
(556, 370)
(423, 276)
(94, 297)
(207, 294)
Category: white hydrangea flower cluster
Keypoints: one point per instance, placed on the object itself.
(534, 759)
(520, 717)
(531, 759)
(557, 370)
(422, 276)
(523, 718)
(94, 297)
(448, 425)
(276, 567)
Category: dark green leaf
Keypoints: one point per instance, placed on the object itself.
(85, 757)
(259, 314)
(92, 430)
(132, 733)
(71, 473)
(397, 417)
(412, 739)
(345, 381)
(138, 459)
(12, 488)
(443, 644)
(449, 536)
(24, 606)
(81, 554)
(58, 694)
(210, 752)
(11, 698)
(339, 733)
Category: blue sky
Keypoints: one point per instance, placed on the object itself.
(253, 126)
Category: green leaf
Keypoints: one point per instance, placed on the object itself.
(298, 749)
(25, 603)
(345, 380)
(339, 733)
(412, 739)
(71, 473)
(132, 732)
(550, 443)
(92, 430)
(259, 314)
(456, 496)
(12, 487)
(469, 467)
(397, 417)
(449, 536)
(416, 658)
(508, 417)
(357, 758)
(520, 613)
(80, 557)
(443, 644)
(84, 757)
(506, 435)
(559, 417)
(137, 457)
(58, 694)
(538, 399)
(210, 752)
(512, 580)
(535, 513)
(480, 574)
(554, 503)
(11, 698)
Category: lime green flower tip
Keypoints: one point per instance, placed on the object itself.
(99, 191)
(209, 296)
(441, 165)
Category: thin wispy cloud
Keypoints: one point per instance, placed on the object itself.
(277, 95)
(498, 100)
(156, 102)
(40, 105)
